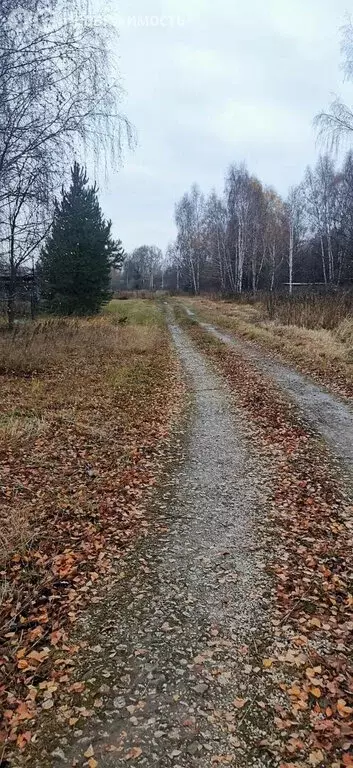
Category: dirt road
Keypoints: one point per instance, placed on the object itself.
(168, 658)
(176, 656)
(328, 415)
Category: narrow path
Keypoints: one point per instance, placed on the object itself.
(178, 644)
(328, 415)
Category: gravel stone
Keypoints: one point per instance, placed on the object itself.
(119, 703)
(201, 688)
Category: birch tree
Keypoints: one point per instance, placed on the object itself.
(239, 211)
(294, 219)
(189, 219)
(336, 124)
(59, 94)
(215, 229)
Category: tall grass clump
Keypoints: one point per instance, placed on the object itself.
(311, 311)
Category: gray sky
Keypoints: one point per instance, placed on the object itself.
(216, 83)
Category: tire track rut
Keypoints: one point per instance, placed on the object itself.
(178, 643)
(330, 417)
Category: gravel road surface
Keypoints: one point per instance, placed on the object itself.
(177, 665)
(331, 417)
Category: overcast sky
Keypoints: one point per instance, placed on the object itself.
(216, 83)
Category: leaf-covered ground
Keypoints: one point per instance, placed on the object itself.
(86, 418)
(311, 536)
(86, 413)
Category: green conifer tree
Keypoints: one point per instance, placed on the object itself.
(77, 259)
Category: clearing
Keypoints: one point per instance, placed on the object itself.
(222, 635)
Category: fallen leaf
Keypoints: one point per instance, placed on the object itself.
(342, 708)
(23, 739)
(48, 704)
(23, 713)
(135, 752)
(77, 687)
(239, 703)
(316, 757)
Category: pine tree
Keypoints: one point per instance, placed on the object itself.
(80, 252)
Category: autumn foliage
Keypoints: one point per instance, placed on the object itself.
(87, 407)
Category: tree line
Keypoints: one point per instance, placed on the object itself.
(250, 238)
(144, 269)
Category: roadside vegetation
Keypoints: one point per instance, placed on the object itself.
(313, 333)
(86, 412)
(134, 311)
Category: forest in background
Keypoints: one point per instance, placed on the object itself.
(250, 238)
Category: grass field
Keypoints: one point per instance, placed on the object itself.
(315, 336)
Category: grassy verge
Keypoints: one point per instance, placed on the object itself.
(134, 312)
(310, 535)
(86, 412)
(324, 353)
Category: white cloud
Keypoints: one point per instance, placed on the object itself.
(258, 123)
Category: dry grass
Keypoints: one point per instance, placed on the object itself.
(40, 347)
(17, 427)
(46, 344)
(60, 378)
(135, 311)
(15, 533)
(311, 311)
(326, 353)
(344, 334)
